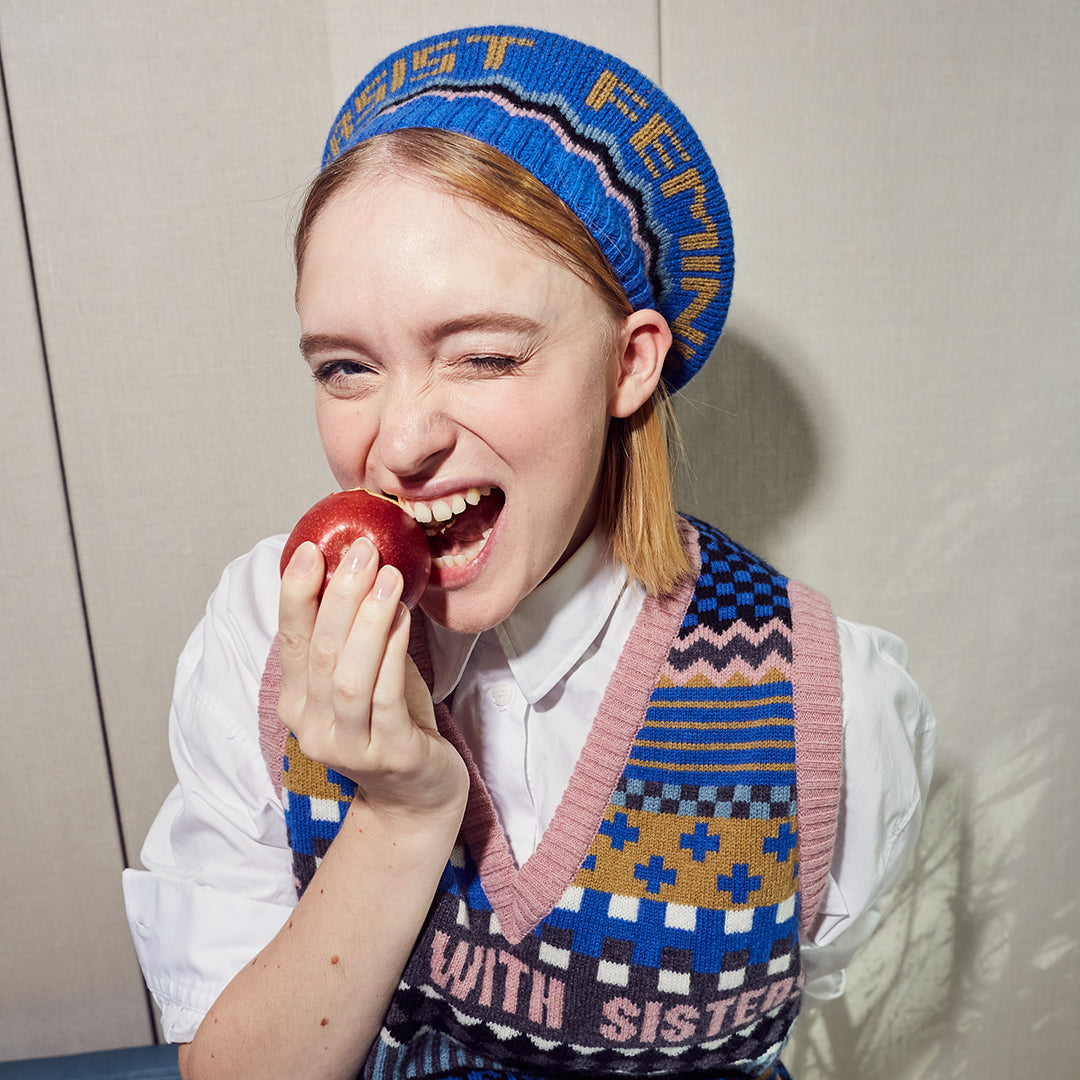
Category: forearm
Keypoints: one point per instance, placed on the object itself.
(311, 1003)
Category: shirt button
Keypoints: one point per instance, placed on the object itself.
(502, 694)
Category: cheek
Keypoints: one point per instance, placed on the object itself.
(583, 422)
(345, 441)
(552, 435)
(566, 446)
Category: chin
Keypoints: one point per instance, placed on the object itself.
(469, 611)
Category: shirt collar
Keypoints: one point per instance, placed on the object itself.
(548, 632)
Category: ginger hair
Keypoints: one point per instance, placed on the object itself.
(637, 496)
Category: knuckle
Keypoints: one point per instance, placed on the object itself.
(292, 642)
(384, 700)
(349, 690)
(322, 657)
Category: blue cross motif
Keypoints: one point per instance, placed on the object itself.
(781, 844)
(740, 884)
(654, 875)
(699, 842)
(620, 831)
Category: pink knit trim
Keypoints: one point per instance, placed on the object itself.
(272, 732)
(818, 741)
(521, 898)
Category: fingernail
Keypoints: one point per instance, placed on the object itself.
(303, 558)
(359, 555)
(387, 582)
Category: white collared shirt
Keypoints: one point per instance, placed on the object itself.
(525, 692)
(218, 880)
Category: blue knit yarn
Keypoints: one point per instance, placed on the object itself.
(596, 132)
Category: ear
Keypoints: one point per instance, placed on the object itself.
(643, 344)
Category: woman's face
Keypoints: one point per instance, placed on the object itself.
(460, 367)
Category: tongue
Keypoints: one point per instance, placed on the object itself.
(465, 528)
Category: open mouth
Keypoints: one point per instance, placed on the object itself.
(457, 526)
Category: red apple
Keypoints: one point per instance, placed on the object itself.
(335, 522)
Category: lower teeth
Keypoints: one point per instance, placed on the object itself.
(464, 557)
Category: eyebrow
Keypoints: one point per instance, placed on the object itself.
(314, 343)
(497, 321)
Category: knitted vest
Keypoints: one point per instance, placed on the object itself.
(655, 929)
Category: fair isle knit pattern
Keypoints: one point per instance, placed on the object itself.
(655, 929)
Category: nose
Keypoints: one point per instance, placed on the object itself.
(415, 432)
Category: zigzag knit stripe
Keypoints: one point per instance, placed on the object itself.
(737, 647)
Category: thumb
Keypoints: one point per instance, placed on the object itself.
(418, 697)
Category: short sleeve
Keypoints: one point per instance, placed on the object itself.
(889, 736)
(217, 883)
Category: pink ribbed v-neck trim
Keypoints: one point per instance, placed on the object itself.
(522, 897)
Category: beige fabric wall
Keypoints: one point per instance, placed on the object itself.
(890, 417)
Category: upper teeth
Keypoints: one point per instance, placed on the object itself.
(444, 509)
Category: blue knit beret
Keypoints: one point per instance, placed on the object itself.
(595, 131)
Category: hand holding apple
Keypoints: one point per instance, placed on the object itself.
(333, 523)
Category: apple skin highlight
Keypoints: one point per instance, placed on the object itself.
(334, 523)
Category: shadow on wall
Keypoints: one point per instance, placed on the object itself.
(950, 959)
(986, 919)
(903, 991)
(987, 915)
(753, 452)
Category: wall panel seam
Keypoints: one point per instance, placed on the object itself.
(88, 637)
(660, 43)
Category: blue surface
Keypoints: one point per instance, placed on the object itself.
(133, 1063)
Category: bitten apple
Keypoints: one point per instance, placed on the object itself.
(335, 522)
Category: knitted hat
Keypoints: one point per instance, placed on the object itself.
(596, 132)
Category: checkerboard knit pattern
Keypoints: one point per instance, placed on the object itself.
(674, 947)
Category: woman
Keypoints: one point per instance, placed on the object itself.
(562, 799)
